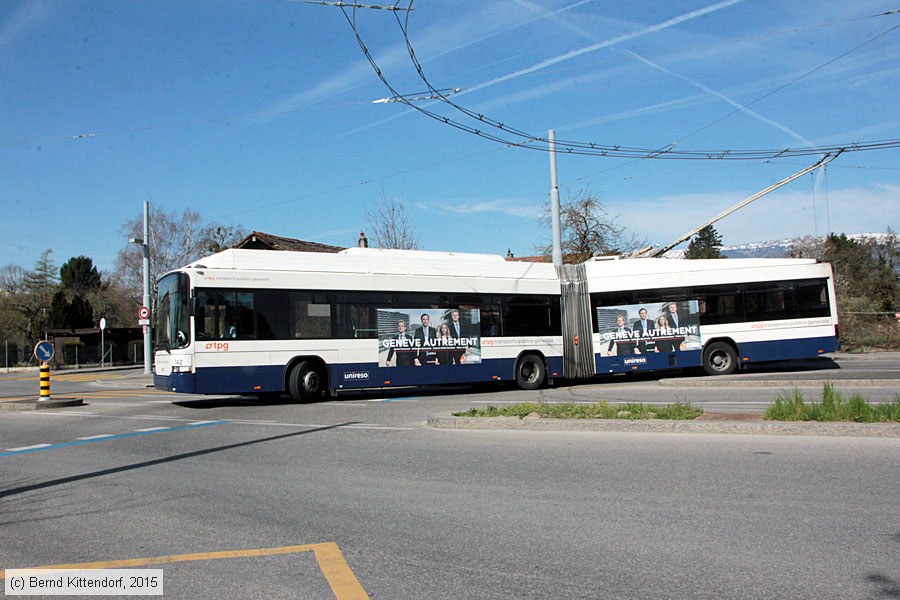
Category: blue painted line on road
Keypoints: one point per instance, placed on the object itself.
(42, 447)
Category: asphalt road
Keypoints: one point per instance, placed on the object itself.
(358, 498)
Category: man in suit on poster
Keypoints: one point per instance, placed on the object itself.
(672, 314)
(642, 327)
(621, 340)
(458, 329)
(425, 337)
(674, 321)
(403, 347)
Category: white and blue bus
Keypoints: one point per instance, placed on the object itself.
(268, 323)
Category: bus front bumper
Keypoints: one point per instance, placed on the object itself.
(183, 383)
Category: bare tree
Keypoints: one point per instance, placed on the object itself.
(114, 301)
(391, 225)
(587, 229)
(11, 278)
(175, 240)
(221, 237)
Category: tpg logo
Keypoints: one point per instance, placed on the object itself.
(217, 346)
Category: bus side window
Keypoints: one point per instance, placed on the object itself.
(812, 298)
(363, 321)
(272, 315)
(719, 304)
(770, 300)
(311, 316)
(531, 315)
(239, 323)
(210, 317)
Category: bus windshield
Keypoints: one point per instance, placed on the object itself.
(172, 323)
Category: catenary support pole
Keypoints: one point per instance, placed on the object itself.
(554, 203)
(145, 247)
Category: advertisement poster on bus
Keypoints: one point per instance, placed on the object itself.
(654, 327)
(423, 337)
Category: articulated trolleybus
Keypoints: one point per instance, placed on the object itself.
(263, 322)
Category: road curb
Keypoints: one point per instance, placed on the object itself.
(41, 404)
(753, 427)
(744, 381)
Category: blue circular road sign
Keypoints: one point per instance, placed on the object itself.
(43, 351)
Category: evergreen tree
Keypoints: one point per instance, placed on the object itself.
(79, 275)
(56, 318)
(79, 313)
(64, 314)
(705, 244)
(33, 303)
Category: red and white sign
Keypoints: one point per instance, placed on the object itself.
(144, 313)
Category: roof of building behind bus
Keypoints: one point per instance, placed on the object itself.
(259, 240)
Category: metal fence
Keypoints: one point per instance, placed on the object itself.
(73, 355)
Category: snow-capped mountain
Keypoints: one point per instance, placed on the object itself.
(775, 248)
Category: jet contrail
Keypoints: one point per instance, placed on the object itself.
(483, 38)
(721, 96)
(605, 44)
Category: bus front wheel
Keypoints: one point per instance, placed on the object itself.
(307, 382)
(720, 358)
(530, 372)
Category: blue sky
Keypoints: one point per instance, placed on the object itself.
(260, 113)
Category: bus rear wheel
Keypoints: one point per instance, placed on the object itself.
(306, 382)
(530, 372)
(720, 358)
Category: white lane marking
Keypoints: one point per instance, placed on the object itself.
(96, 437)
(236, 421)
(28, 447)
(319, 425)
(152, 429)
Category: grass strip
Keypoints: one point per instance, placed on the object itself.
(596, 410)
(790, 406)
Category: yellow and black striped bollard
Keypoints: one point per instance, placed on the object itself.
(45, 381)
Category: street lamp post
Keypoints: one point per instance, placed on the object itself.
(145, 249)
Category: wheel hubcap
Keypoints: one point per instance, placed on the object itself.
(528, 372)
(311, 382)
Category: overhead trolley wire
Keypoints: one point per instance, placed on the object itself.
(498, 131)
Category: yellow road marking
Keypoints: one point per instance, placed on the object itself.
(337, 572)
(63, 376)
(89, 395)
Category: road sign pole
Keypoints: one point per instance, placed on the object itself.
(43, 351)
